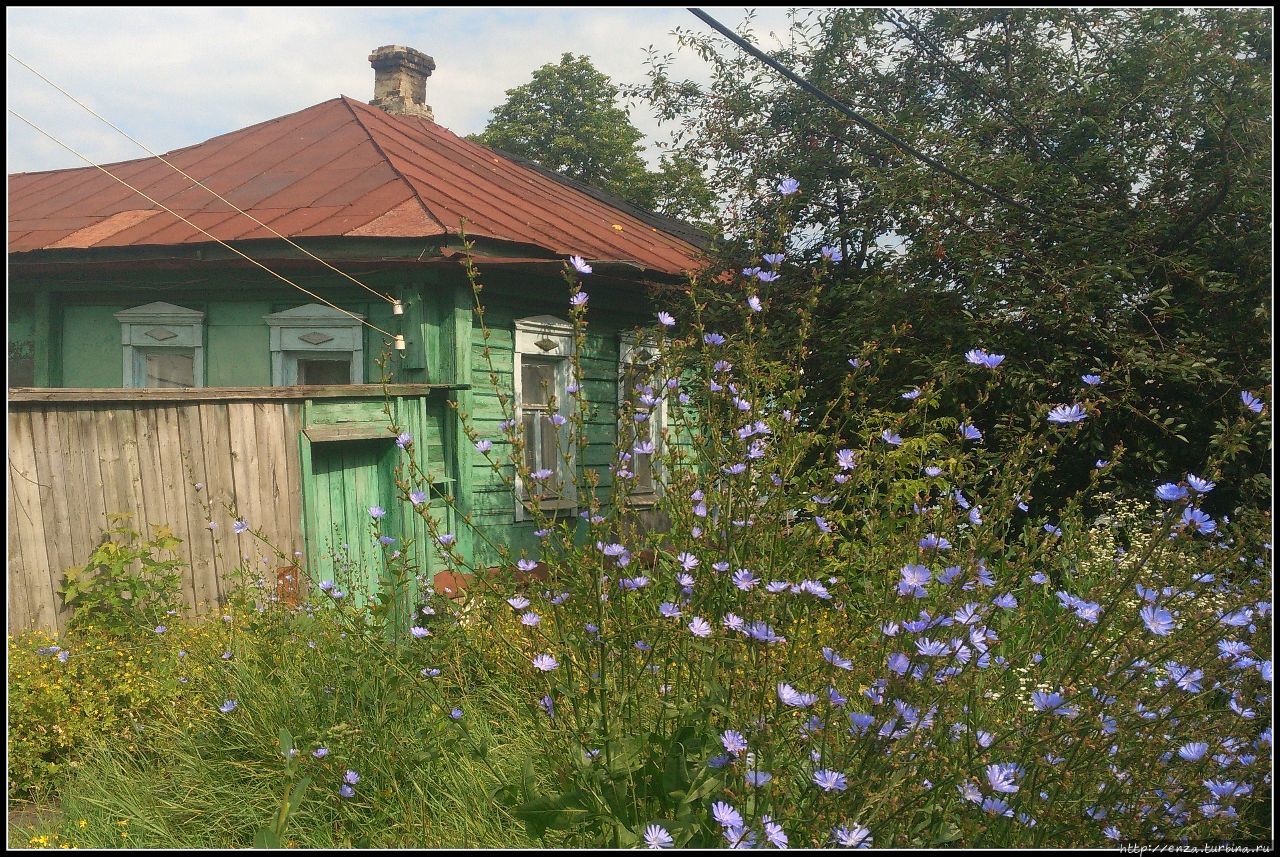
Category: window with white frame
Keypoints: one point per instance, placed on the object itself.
(163, 346)
(641, 415)
(316, 344)
(542, 373)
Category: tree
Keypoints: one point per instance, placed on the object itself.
(1139, 139)
(566, 119)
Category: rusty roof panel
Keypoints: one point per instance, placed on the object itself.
(170, 230)
(407, 220)
(290, 222)
(338, 168)
(357, 181)
(105, 228)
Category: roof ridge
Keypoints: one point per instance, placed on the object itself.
(390, 163)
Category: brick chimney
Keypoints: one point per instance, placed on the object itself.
(400, 80)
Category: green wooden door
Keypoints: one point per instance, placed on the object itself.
(348, 477)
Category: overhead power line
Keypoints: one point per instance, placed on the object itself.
(395, 338)
(199, 183)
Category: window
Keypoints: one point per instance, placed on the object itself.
(321, 370)
(544, 346)
(163, 346)
(641, 415)
(316, 344)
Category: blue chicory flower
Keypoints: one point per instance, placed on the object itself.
(1064, 414)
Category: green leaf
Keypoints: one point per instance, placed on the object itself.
(628, 754)
(554, 812)
(295, 799)
(948, 833)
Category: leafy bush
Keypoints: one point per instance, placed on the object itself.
(125, 586)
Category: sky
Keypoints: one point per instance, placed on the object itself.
(173, 77)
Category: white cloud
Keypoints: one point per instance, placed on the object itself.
(173, 77)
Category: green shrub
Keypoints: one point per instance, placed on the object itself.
(125, 586)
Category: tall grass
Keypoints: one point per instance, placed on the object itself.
(218, 783)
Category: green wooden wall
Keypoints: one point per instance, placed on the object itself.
(342, 479)
(77, 343)
(508, 298)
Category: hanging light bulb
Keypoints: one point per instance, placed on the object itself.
(397, 308)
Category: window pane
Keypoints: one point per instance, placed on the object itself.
(174, 367)
(314, 372)
(550, 454)
(635, 432)
(538, 382)
(642, 467)
(529, 420)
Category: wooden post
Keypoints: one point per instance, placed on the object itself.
(456, 355)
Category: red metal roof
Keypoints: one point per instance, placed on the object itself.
(340, 168)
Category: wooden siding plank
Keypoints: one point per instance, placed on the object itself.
(51, 473)
(19, 395)
(150, 469)
(35, 569)
(84, 537)
(93, 485)
(115, 485)
(17, 602)
(277, 482)
(333, 526)
(267, 422)
(346, 431)
(176, 490)
(243, 440)
(220, 490)
(125, 430)
(204, 574)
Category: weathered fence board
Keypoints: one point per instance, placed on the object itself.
(72, 463)
(31, 595)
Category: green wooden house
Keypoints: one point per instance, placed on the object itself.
(201, 349)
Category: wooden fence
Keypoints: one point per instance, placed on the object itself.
(175, 458)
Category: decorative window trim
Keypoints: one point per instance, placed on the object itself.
(546, 338)
(634, 351)
(155, 327)
(313, 330)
